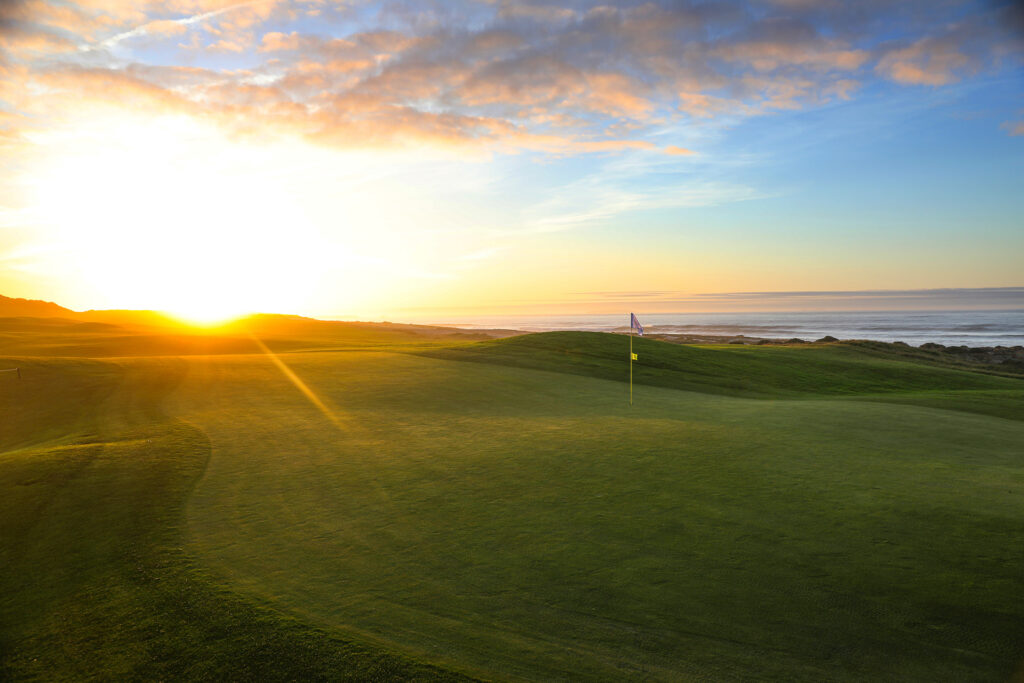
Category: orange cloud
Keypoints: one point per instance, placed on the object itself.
(700, 104)
(1014, 128)
(929, 61)
(63, 17)
(541, 85)
(28, 42)
(277, 42)
(771, 55)
(225, 45)
(616, 94)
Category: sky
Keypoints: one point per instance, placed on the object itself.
(408, 159)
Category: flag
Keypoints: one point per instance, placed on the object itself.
(633, 356)
(634, 324)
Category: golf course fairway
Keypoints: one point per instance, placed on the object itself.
(498, 510)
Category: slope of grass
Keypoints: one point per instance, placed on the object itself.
(512, 523)
(833, 370)
(96, 582)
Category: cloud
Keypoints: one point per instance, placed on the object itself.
(775, 43)
(929, 61)
(275, 41)
(225, 45)
(556, 77)
(632, 181)
(1014, 128)
(66, 19)
(771, 55)
(537, 12)
(27, 42)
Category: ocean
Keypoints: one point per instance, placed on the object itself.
(950, 328)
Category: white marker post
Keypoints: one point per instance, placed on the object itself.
(633, 322)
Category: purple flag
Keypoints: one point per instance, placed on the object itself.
(634, 324)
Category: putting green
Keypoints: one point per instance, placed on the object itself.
(516, 523)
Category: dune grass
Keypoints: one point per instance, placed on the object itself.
(803, 513)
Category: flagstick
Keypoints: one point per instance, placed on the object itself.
(630, 361)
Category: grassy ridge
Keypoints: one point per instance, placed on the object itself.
(755, 371)
(96, 580)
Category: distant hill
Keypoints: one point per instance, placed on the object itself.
(128, 318)
(32, 308)
(40, 328)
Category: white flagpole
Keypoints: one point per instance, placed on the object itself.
(630, 359)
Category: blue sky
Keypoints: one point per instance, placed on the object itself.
(506, 154)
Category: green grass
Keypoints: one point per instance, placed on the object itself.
(135, 333)
(801, 371)
(787, 513)
(97, 581)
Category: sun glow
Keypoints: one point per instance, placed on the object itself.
(165, 212)
(168, 215)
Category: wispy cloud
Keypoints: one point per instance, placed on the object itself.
(594, 202)
(639, 181)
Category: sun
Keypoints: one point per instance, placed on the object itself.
(206, 317)
(165, 214)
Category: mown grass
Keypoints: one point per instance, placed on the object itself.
(140, 333)
(96, 581)
(514, 523)
(800, 371)
(797, 513)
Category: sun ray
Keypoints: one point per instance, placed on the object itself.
(338, 422)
